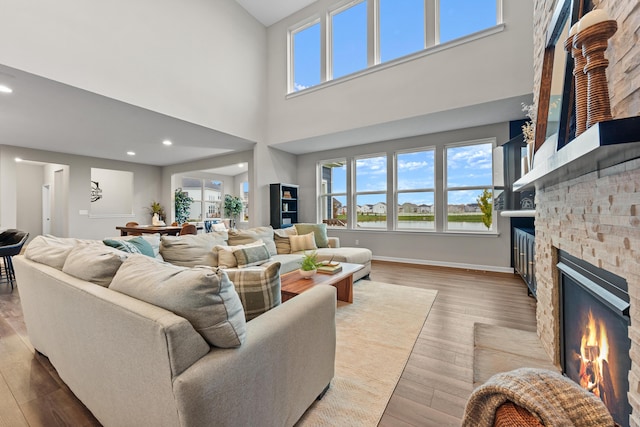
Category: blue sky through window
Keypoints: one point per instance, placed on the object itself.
(306, 57)
(349, 44)
(402, 32)
(461, 17)
(401, 28)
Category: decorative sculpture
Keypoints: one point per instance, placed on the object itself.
(580, 79)
(594, 30)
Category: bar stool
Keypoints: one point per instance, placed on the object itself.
(11, 243)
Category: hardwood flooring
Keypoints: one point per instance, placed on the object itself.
(432, 391)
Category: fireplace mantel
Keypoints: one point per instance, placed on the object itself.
(603, 145)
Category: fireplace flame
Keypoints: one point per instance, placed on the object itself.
(594, 355)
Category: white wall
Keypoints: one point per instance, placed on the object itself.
(29, 181)
(486, 252)
(146, 183)
(492, 68)
(198, 60)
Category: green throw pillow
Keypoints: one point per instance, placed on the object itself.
(252, 255)
(137, 245)
(319, 231)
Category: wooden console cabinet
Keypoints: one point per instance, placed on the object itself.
(524, 254)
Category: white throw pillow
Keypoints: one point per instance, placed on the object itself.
(224, 253)
(305, 242)
(203, 295)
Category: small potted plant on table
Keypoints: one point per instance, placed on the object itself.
(309, 265)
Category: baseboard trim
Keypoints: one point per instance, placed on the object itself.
(463, 266)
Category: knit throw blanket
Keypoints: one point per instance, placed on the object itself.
(555, 400)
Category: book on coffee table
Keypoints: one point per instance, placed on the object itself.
(330, 268)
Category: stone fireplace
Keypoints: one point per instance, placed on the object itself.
(596, 218)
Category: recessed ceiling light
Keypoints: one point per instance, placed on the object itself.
(131, 153)
(18, 159)
(167, 142)
(5, 89)
(240, 165)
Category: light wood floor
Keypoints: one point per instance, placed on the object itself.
(433, 389)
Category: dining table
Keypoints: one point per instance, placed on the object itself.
(149, 229)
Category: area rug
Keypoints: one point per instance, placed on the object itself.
(375, 336)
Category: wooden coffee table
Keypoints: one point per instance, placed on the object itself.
(293, 283)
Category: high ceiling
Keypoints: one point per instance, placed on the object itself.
(271, 11)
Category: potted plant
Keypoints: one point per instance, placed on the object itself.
(156, 208)
(183, 205)
(232, 208)
(309, 264)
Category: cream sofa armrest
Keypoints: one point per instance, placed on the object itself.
(289, 350)
(334, 242)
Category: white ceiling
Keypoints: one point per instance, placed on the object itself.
(47, 115)
(271, 11)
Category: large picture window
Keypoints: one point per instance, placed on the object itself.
(415, 190)
(442, 189)
(364, 33)
(306, 57)
(469, 172)
(333, 193)
(349, 40)
(371, 192)
(206, 195)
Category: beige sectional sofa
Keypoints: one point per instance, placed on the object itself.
(134, 363)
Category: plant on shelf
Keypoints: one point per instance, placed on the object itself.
(485, 203)
(183, 205)
(232, 208)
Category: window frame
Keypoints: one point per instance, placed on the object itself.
(322, 195)
(445, 188)
(397, 191)
(291, 32)
(202, 200)
(353, 213)
(431, 41)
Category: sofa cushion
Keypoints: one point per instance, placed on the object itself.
(258, 287)
(152, 239)
(305, 242)
(224, 253)
(51, 250)
(252, 256)
(192, 249)
(288, 262)
(281, 239)
(94, 262)
(203, 295)
(136, 245)
(243, 237)
(351, 255)
(319, 231)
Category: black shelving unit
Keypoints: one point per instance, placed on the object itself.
(284, 205)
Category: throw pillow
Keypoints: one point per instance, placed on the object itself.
(203, 295)
(152, 239)
(281, 239)
(253, 255)
(242, 237)
(305, 242)
(258, 287)
(94, 262)
(319, 230)
(224, 253)
(192, 249)
(137, 245)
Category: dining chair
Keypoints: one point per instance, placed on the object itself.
(133, 224)
(188, 229)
